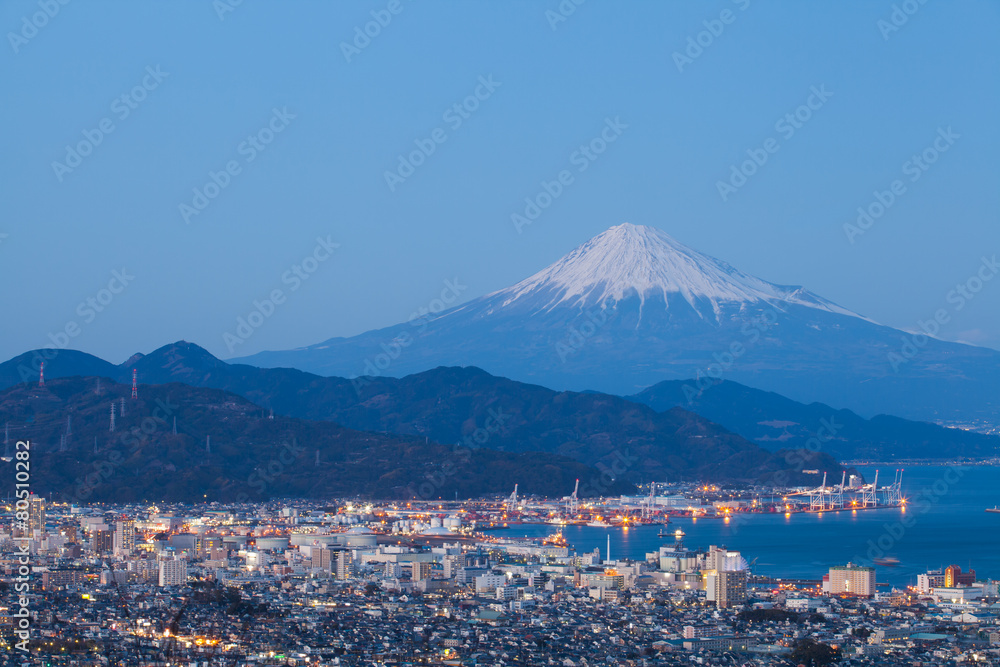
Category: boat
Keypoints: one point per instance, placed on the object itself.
(887, 562)
(555, 540)
(598, 524)
(995, 510)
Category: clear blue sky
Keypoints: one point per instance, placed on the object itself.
(324, 173)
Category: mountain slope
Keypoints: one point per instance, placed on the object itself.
(766, 418)
(634, 261)
(452, 405)
(633, 307)
(227, 449)
(58, 363)
(775, 422)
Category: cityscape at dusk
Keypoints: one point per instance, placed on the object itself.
(525, 333)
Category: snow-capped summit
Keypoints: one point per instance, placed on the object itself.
(632, 307)
(629, 261)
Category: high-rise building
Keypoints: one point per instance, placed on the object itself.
(343, 567)
(954, 577)
(173, 573)
(421, 570)
(726, 574)
(730, 588)
(124, 540)
(852, 579)
(209, 544)
(101, 541)
(36, 514)
(336, 561)
(321, 558)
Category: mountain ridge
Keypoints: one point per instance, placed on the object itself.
(774, 421)
(450, 405)
(586, 322)
(181, 443)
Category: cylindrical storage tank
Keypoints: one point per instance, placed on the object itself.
(360, 540)
(272, 543)
(304, 539)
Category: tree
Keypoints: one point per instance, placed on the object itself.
(812, 653)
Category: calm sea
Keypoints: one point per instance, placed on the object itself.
(944, 524)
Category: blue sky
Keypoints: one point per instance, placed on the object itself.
(345, 119)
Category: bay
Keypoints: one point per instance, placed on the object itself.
(944, 523)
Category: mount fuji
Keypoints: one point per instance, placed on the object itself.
(632, 307)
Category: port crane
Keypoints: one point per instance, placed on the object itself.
(511, 503)
(824, 498)
(572, 501)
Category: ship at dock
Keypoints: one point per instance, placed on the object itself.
(887, 562)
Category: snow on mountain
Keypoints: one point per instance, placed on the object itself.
(633, 260)
(633, 307)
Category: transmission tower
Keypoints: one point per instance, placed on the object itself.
(41, 375)
(112, 417)
(135, 393)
